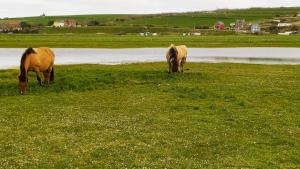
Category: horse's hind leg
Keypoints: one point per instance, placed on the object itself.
(47, 76)
(170, 68)
(182, 63)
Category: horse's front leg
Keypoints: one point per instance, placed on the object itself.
(38, 78)
(179, 67)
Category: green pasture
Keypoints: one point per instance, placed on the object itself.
(136, 41)
(139, 116)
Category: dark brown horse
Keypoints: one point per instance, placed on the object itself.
(37, 60)
(176, 58)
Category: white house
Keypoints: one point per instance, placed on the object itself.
(284, 24)
(288, 33)
(255, 28)
(59, 24)
(285, 33)
(232, 25)
(277, 20)
(196, 34)
(145, 34)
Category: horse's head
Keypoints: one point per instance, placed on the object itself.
(23, 80)
(23, 84)
(173, 59)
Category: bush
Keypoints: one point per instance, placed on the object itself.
(93, 23)
(294, 28)
(120, 20)
(201, 27)
(27, 30)
(25, 25)
(273, 29)
(50, 23)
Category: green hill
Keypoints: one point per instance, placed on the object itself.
(181, 20)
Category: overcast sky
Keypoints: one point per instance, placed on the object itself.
(18, 8)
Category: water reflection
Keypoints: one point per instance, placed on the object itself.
(11, 57)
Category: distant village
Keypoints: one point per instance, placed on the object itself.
(280, 26)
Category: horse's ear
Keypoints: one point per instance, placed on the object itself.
(29, 51)
(174, 49)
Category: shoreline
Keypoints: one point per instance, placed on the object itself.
(141, 63)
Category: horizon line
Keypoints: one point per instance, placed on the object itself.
(158, 13)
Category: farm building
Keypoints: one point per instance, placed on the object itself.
(58, 24)
(277, 20)
(145, 34)
(70, 23)
(284, 24)
(220, 25)
(148, 34)
(196, 34)
(288, 33)
(239, 24)
(65, 23)
(232, 25)
(255, 29)
(186, 34)
(1, 27)
(10, 26)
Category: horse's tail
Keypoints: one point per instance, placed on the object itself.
(52, 75)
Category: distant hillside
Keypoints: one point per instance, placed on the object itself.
(174, 20)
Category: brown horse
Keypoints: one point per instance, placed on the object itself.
(176, 58)
(37, 60)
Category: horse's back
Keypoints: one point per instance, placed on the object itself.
(44, 57)
(182, 51)
(45, 52)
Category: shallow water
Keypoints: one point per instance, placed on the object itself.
(10, 57)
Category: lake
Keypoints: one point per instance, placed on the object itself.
(10, 57)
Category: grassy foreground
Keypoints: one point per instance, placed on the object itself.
(130, 41)
(137, 115)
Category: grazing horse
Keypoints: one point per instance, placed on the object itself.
(176, 58)
(37, 60)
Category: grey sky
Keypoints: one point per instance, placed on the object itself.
(17, 8)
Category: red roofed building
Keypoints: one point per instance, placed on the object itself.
(11, 26)
(70, 23)
(219, 25)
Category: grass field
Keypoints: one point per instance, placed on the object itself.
(138, 115)
(113, 30)
(135, 41)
